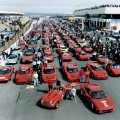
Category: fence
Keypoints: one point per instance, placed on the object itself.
(16, 36)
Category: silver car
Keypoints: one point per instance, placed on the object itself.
(12, 59)
(16, 50)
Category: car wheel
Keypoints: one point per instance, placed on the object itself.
(57, 105)
(92, 107)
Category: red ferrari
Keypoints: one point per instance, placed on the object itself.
(71, 71)
(96, 71)
(97, 98)
(49, 73)
(27, 57)
(113, 69)
(53, 97)
(24, 74)
(6, 73)
(48, 56)
(66, 57)
(87, 49)
(83, 56)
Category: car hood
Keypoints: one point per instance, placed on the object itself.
(102, 60)
(104, 103)
(48, 57)
(116, 71)
(100, 73)
(27, 57)
(52, 96)
(74, 75)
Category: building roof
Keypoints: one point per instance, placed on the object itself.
(11, 13)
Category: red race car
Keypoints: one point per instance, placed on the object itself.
(49, 73)
(113, 69)
(101, 58)
(66, 57)
(83, 56)
(27, 57)
(48, 56)
(22, 45)
(6, 73)
(97, 98)
(24, 74)
(87, 49)
(53, 97)
(47, 49)
(77, 49)
(96, 71)
(71, 71)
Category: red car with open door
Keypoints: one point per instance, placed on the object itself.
(71, 71)
(97, 98)
(24, 74)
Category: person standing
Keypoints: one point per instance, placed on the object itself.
(73, 93)
(39, 76)
(35, 78)
(34, 65)
(87, 76)
(58, 83)
(81, 73)
(50, 85)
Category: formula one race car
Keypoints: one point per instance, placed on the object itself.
(97, 98)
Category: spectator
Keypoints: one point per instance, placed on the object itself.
(50, 85)
(58, 83)
(73, 93)
(39, 76)
(34, 65)
(81, 73)
(35, 79)
(87, 76)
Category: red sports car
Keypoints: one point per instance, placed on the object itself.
(77, 49)
(24, 74)
(83, 56)
(87, 49)
(49, 73)
(71, 71)
(96, 71)
(27, 57)
(101, 58)
(47, 49)
(6, 73)
(66, 57)
(53, 97)
(97, 98)
(113, 69)
(48, 56)
(22, 45)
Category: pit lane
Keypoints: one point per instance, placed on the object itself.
(19, 103)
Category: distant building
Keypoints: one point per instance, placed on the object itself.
(104, 16)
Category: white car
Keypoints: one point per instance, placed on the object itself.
(16, 50)
(12, 59)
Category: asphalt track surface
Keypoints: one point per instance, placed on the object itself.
(19, 103)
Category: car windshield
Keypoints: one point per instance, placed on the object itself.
(101, 56)
(63, 47)
(21, 44)
(49, 71)
(76, 47)
(47, 54)
(97, 68)
(12, 56)
(115, 66)
(72, 70)
(82, 53)
(5, 71)
(87, 47)
(23, 72)
(16, 49)
(27, 54)
(98, 94)
(30, 50)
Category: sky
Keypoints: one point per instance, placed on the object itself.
(51, 6)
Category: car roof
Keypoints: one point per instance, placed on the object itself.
(94, 88)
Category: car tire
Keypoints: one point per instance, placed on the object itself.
(57, 105)
(92, 107)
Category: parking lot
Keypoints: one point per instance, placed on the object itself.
(21, 102)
